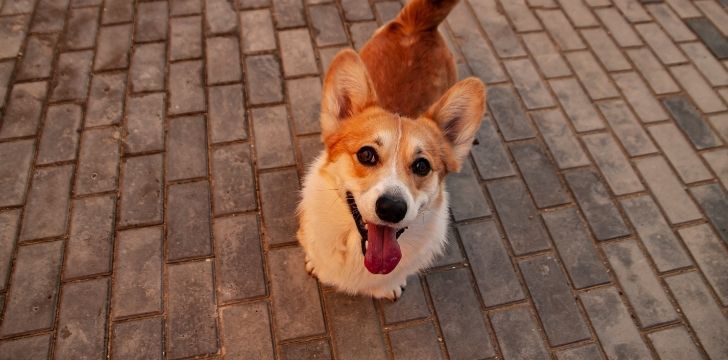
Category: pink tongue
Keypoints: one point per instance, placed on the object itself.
(383, 253)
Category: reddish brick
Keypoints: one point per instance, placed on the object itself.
(113, 47)
(89, 247)
(46, 210)
(24, 110)
(223, 60)
(246, 331)
(117, 11)
(186, 38)
(147, 72)
(144, 123)
(15, 160)
(98, 161)
(72, 76)
(105, 103)
(151, 21)
(38, 57)
(82, 321)
(9, 221)
(141, 191)
(140, 339)
(36, 347)
(82, 27)
(138, 272)
(186, 150)
(185, 83)
(60, 134)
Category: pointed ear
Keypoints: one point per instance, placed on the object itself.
(458, 114)
(347, 91)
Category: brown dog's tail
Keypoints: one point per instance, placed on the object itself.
(424, 15)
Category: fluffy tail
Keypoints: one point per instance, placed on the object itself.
(424, 15)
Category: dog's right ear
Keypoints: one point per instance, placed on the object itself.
(347, 91)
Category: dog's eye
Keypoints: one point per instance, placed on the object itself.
(421, 167)
(367, 156)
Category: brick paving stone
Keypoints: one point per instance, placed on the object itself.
(599, 210)
(357, 10)
(579, 254)
(50, 16)
(496, 279)
(606, 50)
(412, 305)
(327, 55)
(144, 123)
(521, 16)
(681, 155)
(560, 140)
(142, 191)
(720, 123)
(659, 240)
(618, 27)
(9, 221)
(489, 154)
(98, 161)
(185, 83)
(89, 247)
(553, 300)
(188, 221)
(185, 7)
(151, 21)
(264, 71)
(458, 311)
(256, 31)
(246, 331)
(529, 85)
(304, 96)
(38, 57)
(540, 174)
(690, 121)
(46, 209)
(699, 90)
(476, 51)
(718, 161)
(185, 38)
(310, 147)
(327, 25)
(227, 113)
(466, 195)
(512, 120)
(117, 11)
(82, 320)
(387, 10)
(684, 8)
(576, 104)
(546, 55)
(12, 33)
(355, 326)
(586, 352)
(31, 305)
(560, 29)
(633, 137)
(706, 63)
(36, 347)
(578, 13)
(6, 70)
(659, 42)
(594, 79)
(60, 134)
(232, 176)
(15, 161)
(498, 29)
(289, 13)
(81, 3)
(105, 103)
(715, 13)
(361, 32)
(273, 141)
(138, 273)
(714, 202)
(113, 47)
(613, 325)
(452, 253)
(72, 76)
(239, 266)
(613, 165)
(709, 253)
(637, 94)
(297, 53)
(667, 190)
(139, 339)
(278, 197)
(710, 36)
(12, 7)
(701, 311)
(313, 349)
(642, 287)
(296, 302)
(632, 10)
(147, 71)
(220, 17)
(674, 344)
(518, 216)
(674, 27)
(223, 60)
(191, 315)
(518, 334)
(419, 342)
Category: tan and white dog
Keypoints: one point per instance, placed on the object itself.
(394, 123)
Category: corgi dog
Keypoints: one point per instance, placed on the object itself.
(394, 123)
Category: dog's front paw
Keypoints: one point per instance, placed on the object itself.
(391, 294)
(310, 269)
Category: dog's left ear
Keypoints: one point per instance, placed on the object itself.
(458, 113)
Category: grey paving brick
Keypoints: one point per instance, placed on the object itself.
(113, 47)
(613, 325)
(710, 36)
(264, 71)
(151, 21)
(518, 216)
(144, 123)
(690, 121)
(476, 51)
(220, 17)
(534, 93)
(12, 7)
(82, 321)
(661, 44)
(185, 40)
(304, 96)
(361, 32)
(313, 349)
(81, 3)
(185, 83)
(618, 27)
(6, 70)
(518, 334)
(36, 347)
(699, 90)
(720, 123)
(586, 352)
(674, 27)
(191, 315)
(412, 305)
(598, 208)
(614, 166)
(419, 342)
(458, 311)
(546, 55)
(706, 63)
(15, 161)
(239, 266)
(327, 25)
(718, 161)
(246, 331)
(357, 10)
(13, 30)
(628, 130)
(59, 140)
(289, 13)
(521, 16)
(38, 57)
(89, 247)
(709, 253)
(185, 7)
(681, 155)
(32, 303)
(540, 174)
(72, 76)
(256, 30)
(452, 253)
(273, 141)
(186, 150)
(296, 301)
(98, 161)
(560, 29)
(714, 202)
(139, 339)
(147, 71)
(355, 326)
(46, 209)
(489, 154)
(188, 221)
(684, 8)
(138, 273)
(142, 191)
(512, 120)
(310, 147)
(117, 11)
(82, 28)
(715, 13)
(701, 311)
(227, 113)
(632, 10)
(579, 13)
(9, 221)
(496, 279)
(105, 103)
(553, 300)
(278, 196)
(560, 139)
(576, 104)
(606, 50)
(637, 94)
(498, 29)
(232, 175)
(223, 60)
(467, 199)
(50, 16)
(594, 79)
(387, 10)
(656, 235)
(674, 344)
(667, 190)
(297, 53)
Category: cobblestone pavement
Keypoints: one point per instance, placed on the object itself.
(150, 155)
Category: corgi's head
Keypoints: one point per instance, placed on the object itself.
(392, 167)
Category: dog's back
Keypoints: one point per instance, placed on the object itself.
(408, 60)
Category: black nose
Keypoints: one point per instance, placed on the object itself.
(391, 209)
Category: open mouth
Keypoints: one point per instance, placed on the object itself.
(378, 242)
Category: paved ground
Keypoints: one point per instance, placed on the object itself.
(150, 154)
